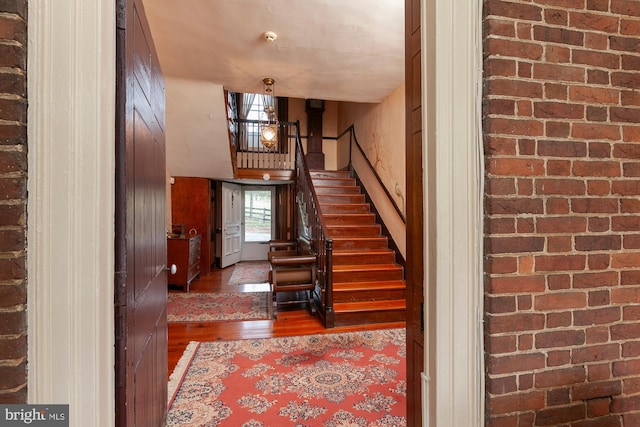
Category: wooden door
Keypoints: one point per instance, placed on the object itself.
(231, 224)
(415, 215)
(141, 281)
(190, 204)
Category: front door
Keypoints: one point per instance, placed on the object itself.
(231, 224)
(141, 252)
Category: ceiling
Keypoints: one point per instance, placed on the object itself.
(325, 49)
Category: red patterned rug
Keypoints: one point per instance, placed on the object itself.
(249, 272)
(207, 307)
(349, 379)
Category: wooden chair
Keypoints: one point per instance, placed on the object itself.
(293, 274)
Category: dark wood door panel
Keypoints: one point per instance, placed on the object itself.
(141, 295)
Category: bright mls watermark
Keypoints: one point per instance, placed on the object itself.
(34, 415)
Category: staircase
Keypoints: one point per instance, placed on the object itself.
(368, 286)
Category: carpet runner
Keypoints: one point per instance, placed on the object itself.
(346, 379)
(250, 272)
(207, 307)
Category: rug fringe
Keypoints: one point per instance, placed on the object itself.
(179, 372)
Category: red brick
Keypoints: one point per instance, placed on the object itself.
(598, 243)
(514, 244)
(561, 225)
(556, 91)
(562, 149)
(12, 376)
(557, 129)
(597, 390)
(625, 260)
(559, 72)
(560, 301)
(13, 348)
(630, 98)
(594, 95)
(560, 263)
(598, 188)
(599, 225)
(596, 41)
(12, 295)
(520, 11)
(599, 150)
(630, 62)
(559, 320)
(622, 332)
(500, 146)
(500, 344)
(496, 67)
(631, 241)
(631, 349)
(555, 110)
(626, 80)
(625, 7)
(513, 49)
(499, 27)
(515, 363)
(503, 385)
(515, 323)
(558, 168)
(557, 54)
(525, 342)
(556, 339)
(556, 16)
(502, 206)
(524, 109)
(626, 151)
(627, 44)
(598, 77)
(599, 205)
(500, 305)
(631, 170)
(558, 35)
(595, 131)
(559, 244)
(597, 335)
(597, 114)
(626, 188)
(12, 268)
(592, 21)
(629, 27)
(625, 296)
(557, 206)
(559, 281)
(599, 5)
(505, 126)
(598, 261)
(627, 115)
(516, 284)
(506, 107)
(518, 167)
(13, 323)
(557, 397)
(595, 279)
(560, 377)
(558, 358)
(567, 187)
(525, 302)
(597, 168)
(523, 32)
(599, 372)
(597, 353)
(516, 402)
(13, 56)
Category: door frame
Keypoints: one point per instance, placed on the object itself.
(72, 57)
(71, 187)
(453, 377)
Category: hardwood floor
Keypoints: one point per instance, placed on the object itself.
(289, 323)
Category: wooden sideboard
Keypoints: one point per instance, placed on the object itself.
(185, 254)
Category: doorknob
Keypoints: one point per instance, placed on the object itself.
(173, 269)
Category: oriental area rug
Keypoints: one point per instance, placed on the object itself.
(250, 272)
(345, 379)
(208, 307)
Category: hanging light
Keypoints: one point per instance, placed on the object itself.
(269, 129)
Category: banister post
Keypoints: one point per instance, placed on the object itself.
(329, 313)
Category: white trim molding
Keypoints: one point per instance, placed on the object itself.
(453, 384)
(71, 140)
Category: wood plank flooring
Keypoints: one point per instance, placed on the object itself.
(289, 323)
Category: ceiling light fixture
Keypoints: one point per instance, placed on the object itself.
(270, 36)
(269, 128)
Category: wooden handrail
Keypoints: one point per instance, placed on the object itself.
(312, 227)
(354, 139)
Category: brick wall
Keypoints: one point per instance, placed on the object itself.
(13, 200)
(562, 209)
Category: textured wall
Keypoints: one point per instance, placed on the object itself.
(13, 201)
(562, 151)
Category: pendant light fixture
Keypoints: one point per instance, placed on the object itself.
(269, 129)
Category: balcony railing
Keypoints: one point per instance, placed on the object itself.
(250, 153)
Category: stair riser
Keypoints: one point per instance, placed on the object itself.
(354, 231)
(358, 259)
(347, 198)
(345, 209)
(353, 219)
(368, 295)
(376, 243)
(347, 182)
(367, 276)
(329, 174)
(346, 319)
(337, 190)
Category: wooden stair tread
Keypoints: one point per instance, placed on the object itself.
(383, 284)
(361, 306)
(367, 267)
(363, 252)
